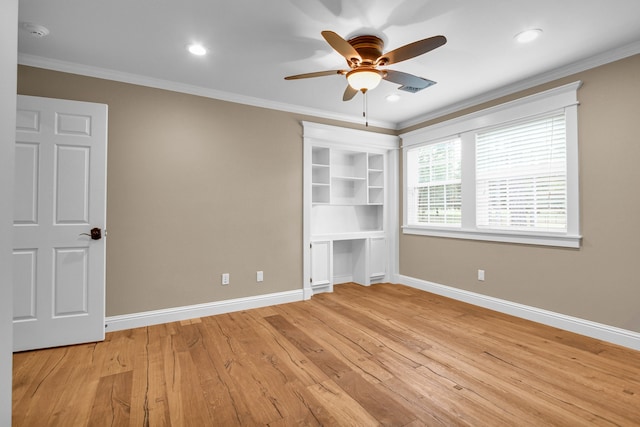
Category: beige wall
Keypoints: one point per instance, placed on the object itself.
(196, 188)
(600, 281)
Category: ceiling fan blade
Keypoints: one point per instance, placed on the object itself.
(349, 93)
(409, 82)
(315, 74)
(342, 47)
(411, 50)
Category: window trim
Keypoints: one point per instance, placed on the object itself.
(561, 98)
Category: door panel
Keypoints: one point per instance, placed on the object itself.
(73, 124)
(25, 206)
(27, 120)
(70, 285)
(72, 185)
(24, 289)
(60, 195)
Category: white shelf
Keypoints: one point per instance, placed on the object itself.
(377, 234)
(351, 164)
(320, 193)
(320, 175)
(375, 161)
(375, 195)
(320, 156)
(376, 178)
(348, 178)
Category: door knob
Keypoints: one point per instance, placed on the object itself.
(96, 233)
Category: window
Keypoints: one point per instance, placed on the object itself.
(521, 176)
(435, 190)
(508, 174)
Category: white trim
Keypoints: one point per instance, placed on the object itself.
(564, 241)
(331, 135)
(528, 106)
(175, 314)
(549, 76)
(588, 328)
(136, 79)
(392, 214)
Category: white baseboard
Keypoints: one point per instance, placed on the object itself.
(175, 314)
(338, 280)
(573, 324)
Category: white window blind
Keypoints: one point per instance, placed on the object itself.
(435, 196)
(521, 176)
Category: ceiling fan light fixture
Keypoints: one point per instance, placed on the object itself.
(364, 79)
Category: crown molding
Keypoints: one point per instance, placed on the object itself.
(136, 79)
(549, 76)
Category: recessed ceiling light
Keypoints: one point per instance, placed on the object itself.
(528, 35)
(197, 49)
(393, 97)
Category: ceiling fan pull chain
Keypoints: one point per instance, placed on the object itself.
(365, 113)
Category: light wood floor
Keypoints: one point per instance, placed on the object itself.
(384, 355)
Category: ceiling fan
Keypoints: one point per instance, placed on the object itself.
(364, 57)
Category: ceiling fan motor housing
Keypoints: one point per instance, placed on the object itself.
(369, 47)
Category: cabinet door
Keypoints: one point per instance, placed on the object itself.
(377, 257)
(321, 264)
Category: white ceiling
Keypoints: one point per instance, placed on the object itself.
(254, 44)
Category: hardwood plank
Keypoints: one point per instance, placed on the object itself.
(345, 410)
(149, 405)
(112, 402)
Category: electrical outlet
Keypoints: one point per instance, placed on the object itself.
(259, 276)
(481, 275)
(225, 278)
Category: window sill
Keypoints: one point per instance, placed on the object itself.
(564, 241)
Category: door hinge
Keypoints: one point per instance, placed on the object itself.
(310, 245)
(310, 280)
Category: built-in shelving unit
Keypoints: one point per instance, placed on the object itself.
(347, 206)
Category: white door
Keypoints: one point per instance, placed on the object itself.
(60, 196)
